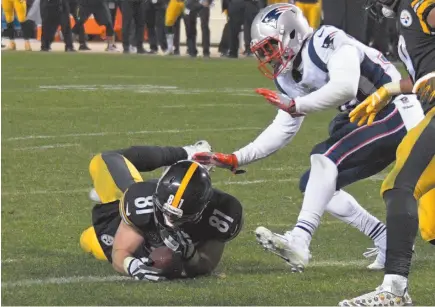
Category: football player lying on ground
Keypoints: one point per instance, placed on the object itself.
(314, 71)
(156, 229)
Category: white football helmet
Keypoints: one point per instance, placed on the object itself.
(278, 32)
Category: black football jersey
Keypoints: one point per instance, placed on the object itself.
(221, 220)
(417, 38)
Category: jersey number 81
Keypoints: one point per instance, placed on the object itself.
(220, 221)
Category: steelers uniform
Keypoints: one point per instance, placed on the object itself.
(312, 10)
(414, 170)
(174, 10)
(18, 7)
(123, 193)
(221, 220)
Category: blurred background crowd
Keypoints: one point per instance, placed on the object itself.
(151, 26)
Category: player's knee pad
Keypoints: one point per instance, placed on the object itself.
(401, 203)
(323, 163)
(303, 181)
(426, 215)
(90, 245)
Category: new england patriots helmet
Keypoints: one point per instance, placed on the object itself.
(278, 32)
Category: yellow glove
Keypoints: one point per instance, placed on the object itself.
(366, 111)
(425, 89)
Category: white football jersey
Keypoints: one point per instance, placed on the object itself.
(375, 69)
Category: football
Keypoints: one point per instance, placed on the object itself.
(169, 262)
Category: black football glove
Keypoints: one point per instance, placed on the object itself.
(178, 241)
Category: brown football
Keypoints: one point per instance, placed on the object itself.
(169, 262)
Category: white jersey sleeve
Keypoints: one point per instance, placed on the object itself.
(334, 53)
(277, 135)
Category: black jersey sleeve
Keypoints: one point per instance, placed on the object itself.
(149, 158)
(136, 206)
(223, 218)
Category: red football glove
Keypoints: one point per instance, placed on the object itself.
(278, 100)
(228, 161)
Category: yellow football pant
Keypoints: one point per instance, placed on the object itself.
(20, 8)
(312, 12)
(173, 11)
(111, 175)
(426, 216)
(415, 171)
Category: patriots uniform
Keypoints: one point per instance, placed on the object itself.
(358, 152)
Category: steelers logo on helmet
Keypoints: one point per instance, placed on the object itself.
(182, 193)
(405, 18)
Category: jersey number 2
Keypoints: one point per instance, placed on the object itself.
(220, 221)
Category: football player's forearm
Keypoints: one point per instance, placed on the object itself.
(277, 135)
(205, 259)
(406, 86)
(118, 258)
(344, 74)
(149, 158)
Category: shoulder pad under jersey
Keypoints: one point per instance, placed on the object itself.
(136, 206)
(222, 220)
(323, 44)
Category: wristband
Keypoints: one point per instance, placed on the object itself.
(127, 262)
(393, 88)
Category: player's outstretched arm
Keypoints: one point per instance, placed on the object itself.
(206, 258)
(367, 110)
(277, 135)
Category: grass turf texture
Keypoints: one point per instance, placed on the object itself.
(58, 110)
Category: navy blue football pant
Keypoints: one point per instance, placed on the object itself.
(360, 152)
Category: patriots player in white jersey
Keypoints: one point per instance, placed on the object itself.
(314, 71)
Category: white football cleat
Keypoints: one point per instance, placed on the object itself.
(382, 296)
(200, 146)
(379, 263)
(286, 246)
(94, 196)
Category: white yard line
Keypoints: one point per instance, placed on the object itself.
(218, 183)
(211, 105)
(90, 134)
(65, 280)
(46, 147)
(79, 191)
(116, 278)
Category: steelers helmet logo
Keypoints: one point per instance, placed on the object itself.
(107, 239)
(405, 18)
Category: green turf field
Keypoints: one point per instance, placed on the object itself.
(58, 110)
